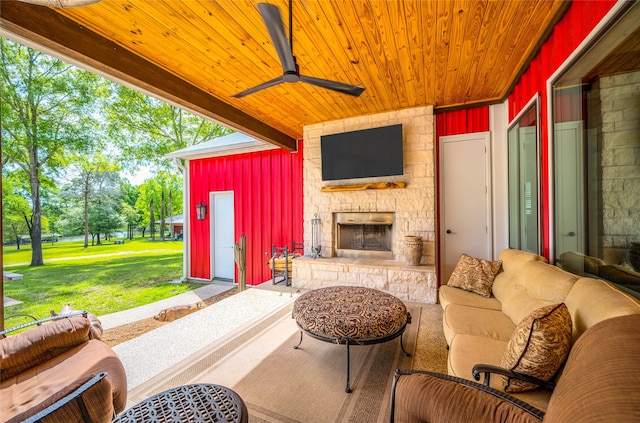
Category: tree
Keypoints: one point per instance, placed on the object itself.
(153, 190)
(146, 129)
(47, 113)
(15, 209)
(96, 185)
(103, 219)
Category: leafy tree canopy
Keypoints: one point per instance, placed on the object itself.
(145, 129)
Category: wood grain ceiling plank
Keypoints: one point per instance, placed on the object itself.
(520, 39)
(321, 54)
(415, 41)
(392, 27)
(159, 42)
(376, 88)
(382, 75)
(245, 39)
(478, 77)
(203, 29)
(459, 18)
(428, 20)
(462, 84)
(444, 17)
(349, 34)
(495, 54)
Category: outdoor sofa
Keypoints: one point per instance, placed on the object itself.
(62, 370)
(520, 317)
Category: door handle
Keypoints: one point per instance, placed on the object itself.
(449, 231)
(571, 233)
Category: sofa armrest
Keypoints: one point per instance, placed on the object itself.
(90, 403)
(487, 369)
(422, 396)
(38, 322)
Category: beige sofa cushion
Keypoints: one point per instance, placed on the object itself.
(459, 319)
(468, 350)
(450, 295)
(594, 300)
(539, 285)
(474, 275)
(512, 264)
(600, 380)
(539, 346)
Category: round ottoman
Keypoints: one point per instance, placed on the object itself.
(350, 315)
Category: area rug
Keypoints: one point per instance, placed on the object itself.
(281, 384)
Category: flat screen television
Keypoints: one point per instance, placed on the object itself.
(362, 154)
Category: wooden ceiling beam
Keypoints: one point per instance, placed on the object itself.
(50, 30)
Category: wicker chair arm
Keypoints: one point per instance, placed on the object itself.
(4, 333)
(480, 387)
(488, 369)
(75, 395)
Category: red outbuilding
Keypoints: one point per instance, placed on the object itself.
(236, 185)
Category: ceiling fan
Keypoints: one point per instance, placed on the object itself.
(291, 73)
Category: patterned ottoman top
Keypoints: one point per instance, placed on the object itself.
(348, 312)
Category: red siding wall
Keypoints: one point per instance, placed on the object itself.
(577, 23)
(462, 122)
(267, 190)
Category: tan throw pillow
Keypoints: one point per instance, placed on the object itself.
(474, 275)
(539, 346)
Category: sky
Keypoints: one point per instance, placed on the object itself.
(138, 177)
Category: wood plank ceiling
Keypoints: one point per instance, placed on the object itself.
(406, 53)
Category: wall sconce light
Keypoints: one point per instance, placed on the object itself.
(201, 211)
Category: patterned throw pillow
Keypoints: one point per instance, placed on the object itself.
(539, 346)
(475, 275)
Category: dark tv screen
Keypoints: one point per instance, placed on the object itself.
(362, 154)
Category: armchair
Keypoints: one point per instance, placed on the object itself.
(600, 382)
(59, 371)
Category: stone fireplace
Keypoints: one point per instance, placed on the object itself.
(363, 234)
(412, 206)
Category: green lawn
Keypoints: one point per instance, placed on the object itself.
(101, 279)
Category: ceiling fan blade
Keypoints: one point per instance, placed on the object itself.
(273, 21)
(340, 87)
(275, 81)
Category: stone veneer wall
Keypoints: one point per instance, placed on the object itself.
(620, 104)
(414, 206)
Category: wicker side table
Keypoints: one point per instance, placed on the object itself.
(189, 403)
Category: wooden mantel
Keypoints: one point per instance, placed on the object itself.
(361, 187)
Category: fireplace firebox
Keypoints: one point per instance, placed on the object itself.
(364, 235)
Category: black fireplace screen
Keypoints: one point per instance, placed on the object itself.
(364, 237)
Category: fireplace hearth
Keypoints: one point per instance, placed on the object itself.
(364, 235)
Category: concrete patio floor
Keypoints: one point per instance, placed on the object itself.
(150, 354)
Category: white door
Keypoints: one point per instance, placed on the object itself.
(569, 187)
(465, 211)
(222, 236)
(528, 206)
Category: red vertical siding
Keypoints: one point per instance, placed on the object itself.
(579, 20)
(267, 189)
